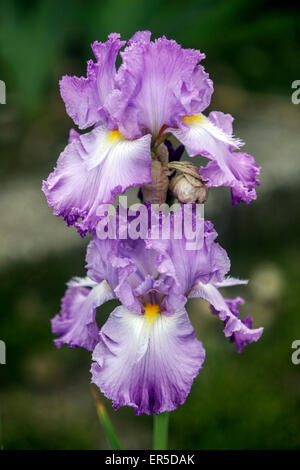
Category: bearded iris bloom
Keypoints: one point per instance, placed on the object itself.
(147, 355)
(159, 89)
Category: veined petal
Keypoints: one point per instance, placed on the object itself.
(201, 136)
(207, 261)
(98, 261)
(241, 176)
(239, 331)
(147, 364)
(158, 83)
(140, 36)
(212, 137)
(92, 170)
(128, 267)
(85, 97)
(105, 68)
(76, 323)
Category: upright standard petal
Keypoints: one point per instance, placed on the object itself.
(127, 265)
(85, 97)
(237, 330)
(206, 262)
(93, 168)
(98, 261)
(76, 323)
(157, 84)
(147, 361)
(212, 137)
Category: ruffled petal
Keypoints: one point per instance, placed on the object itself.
(242, 180)
(207, 261)
(105, 68)
(201, 136)
(149, 365)
(92, 170)
(85, 97)
(136, 271)
(128, 267)
(243, 336)
(212, 137)
(98, 261)
(158, 83)
(237, 330)
(76, 323)
(140, 36)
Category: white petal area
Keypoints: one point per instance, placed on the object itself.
(231, 281)
(92, 170)
(200, 136)
(101, 143)
(147, 364)
(210, 293)
(212, 138)
(81, 282)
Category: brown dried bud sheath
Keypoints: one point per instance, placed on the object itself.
(156, 192)
(187, 185)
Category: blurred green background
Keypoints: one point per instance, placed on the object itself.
(248, 401)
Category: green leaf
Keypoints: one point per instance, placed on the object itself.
(106, 423)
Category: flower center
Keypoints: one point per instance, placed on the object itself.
(152, 312)
(193, 119)
(113, 135)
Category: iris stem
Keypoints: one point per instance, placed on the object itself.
(160, 431)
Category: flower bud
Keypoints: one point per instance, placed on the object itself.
(187, 185)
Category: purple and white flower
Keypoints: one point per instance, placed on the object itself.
(213, 138)
(160, 88)
(147, 355)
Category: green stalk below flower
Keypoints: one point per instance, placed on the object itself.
(160, 431)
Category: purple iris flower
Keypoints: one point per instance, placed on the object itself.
(160, 88)
(147, 355)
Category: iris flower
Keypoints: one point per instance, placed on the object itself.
(159, 89)
(146, 355)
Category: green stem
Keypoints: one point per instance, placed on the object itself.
(160, 431)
